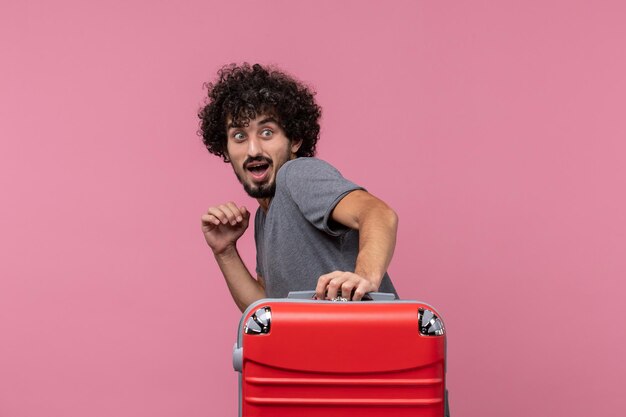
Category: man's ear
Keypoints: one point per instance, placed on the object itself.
(295, 146)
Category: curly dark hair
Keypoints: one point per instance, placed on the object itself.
(243, 92)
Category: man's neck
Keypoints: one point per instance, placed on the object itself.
(264, 203)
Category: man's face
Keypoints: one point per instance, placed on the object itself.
(257, 152)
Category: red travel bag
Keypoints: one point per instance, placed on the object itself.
(303, 357)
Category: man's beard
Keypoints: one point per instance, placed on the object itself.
(265, 190)
(261, 191)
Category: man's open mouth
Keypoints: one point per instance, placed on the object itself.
(258, 170)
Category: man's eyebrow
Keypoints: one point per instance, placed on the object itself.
(269, 120)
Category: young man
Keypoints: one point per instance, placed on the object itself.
(313, 228)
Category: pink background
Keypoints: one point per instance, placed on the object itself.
(495, 128)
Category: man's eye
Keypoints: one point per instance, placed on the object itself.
(266, 133)
(239, 136)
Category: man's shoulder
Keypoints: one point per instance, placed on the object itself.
(305, 161)
(305, 167)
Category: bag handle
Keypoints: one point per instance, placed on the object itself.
(370, 296)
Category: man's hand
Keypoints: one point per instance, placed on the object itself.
(343, 284)
(223, 225)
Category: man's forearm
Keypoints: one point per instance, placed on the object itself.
(377, 224)
(377, 241)
(242, 286)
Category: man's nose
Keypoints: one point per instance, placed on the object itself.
(254, 146)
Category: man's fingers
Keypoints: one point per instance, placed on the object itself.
(322, 284)
(334, 285)
(230, 216)
(210, 220)
(229, 213)
(360, 291)
(218, 214)
(320, 290)
(237, 211)
(347, 284)
(331, 289)
(347, 287)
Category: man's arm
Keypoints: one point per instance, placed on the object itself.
(222, 226)
(244, 289)
(377, 224)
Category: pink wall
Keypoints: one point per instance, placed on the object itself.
(495, 128)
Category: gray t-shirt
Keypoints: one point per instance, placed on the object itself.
(296, 240)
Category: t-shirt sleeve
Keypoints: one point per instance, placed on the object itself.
(316, 187)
